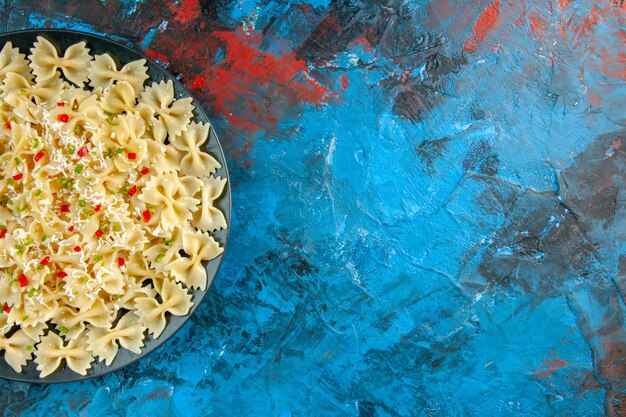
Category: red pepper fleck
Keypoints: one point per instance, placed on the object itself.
(83, 151)
(3, 233)
(61, 274)
(99, 233)
(39, 155)
(7, 125)
(23, 280)
(7, 309)
(76, 248)
(45, 261)
(132, 190)
(145, 171)
(18, 177)
(65, 208)
(97, 207)
(120, 261)
(132, 155)
(63, 118)
(71, 228)
(60, 104)
(146, 216)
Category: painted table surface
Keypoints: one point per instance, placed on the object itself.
(428, 209)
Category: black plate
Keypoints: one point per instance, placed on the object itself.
(98, 45)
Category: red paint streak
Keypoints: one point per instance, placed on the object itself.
(564, 3)
(155, 55)
(612, 367)
(186, 12)
(613, 65)
(344, 82)
(536, 25)
(364, 42)
(197, 82)
(617, 143)
(553, 365)
(589, 23)
(485, 23)
(248, 85)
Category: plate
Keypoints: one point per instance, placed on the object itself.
(62, 39)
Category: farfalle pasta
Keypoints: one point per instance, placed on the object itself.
(107, 205)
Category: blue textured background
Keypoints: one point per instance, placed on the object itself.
(428, 209)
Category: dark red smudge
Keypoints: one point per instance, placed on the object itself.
(537, 25)
(197, 82)
(251, 88)
(552, 365)
(186, 12)
(486, 21)
(155, 56)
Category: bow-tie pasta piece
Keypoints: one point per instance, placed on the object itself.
(51, 351)
(209, 218)
(176, 301)
(71, 322)
(103, 72)
(195, 162)
(128, 332)
(175, 114)
(189, 270)
(120, 97)
(161, 254)
(18, 349)
(45, 61)
(21, 109)
(12, 61)
(168, 191)
(47, 91)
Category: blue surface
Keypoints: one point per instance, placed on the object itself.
(428, 210)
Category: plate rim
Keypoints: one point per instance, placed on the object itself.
(158, 342)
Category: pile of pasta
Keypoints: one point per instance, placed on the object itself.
(106, 207)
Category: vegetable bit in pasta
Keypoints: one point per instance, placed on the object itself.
(107, 205)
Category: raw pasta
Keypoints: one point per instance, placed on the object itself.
(107, 203)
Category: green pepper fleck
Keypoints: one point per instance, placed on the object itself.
(28, 347)
(37, 193)
(63, 329)
(71, 149)
(97, 259)
(44, 238)
(159, 258)
(82, 203)
(35, 143)
(79, 168)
